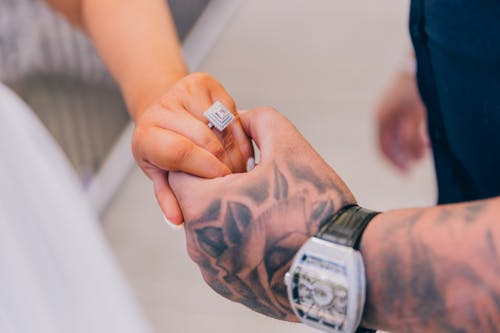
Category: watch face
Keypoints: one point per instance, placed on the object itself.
(321, 297)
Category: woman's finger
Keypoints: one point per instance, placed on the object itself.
(168, 150)
(236, 142)
(186, 124)
(166, 198)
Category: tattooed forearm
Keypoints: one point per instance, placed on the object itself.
(434, 270)
(244, 253)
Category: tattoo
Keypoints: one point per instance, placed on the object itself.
(306, 174)
(408, 223)
(258, 192)
(442, 277)
(491, 251)
(445, 215)
(424, 284)
(238, 217)
(474, 210)
(469, 213)
(392, 301)
(281, 184)
(211, 240)
(322, 211)
(242, 251)
(491, 247)
(212, 212)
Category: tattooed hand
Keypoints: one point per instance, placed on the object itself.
(243, 230)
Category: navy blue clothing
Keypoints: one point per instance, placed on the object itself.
(457, 45)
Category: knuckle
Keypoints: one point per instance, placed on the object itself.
(172, 99)
(266, 109)
(170, 102)
(210, 142)
(228, 102)
(268, 115)
(205, 139)
(200, 78)
(266, 112)
(137, 139)
(181, 151)
(216, 148)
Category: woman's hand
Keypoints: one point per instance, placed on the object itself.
(173, 135)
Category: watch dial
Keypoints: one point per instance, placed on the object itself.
(320, 292)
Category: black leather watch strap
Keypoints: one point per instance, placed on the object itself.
(346, 226)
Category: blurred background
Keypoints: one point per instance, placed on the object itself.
(322, 63)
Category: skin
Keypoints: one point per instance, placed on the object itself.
(401, 117)
(428, 270)
(138, 42)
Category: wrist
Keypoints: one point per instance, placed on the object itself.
(369, 247)
(140, 91)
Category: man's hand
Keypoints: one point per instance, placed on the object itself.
(401, 123)
(173, 135)
(243, 230)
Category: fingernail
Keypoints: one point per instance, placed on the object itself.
(170, 224)
(250, 164)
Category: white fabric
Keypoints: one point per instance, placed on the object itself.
(56, 271)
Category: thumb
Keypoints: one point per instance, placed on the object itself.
(268, 128)
(185, 187)
(194, 194)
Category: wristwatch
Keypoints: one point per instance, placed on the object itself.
(326, 282)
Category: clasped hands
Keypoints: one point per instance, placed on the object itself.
(242, 228)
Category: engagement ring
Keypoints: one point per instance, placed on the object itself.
(218, 116)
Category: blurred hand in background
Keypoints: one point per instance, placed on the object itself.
(401, 118)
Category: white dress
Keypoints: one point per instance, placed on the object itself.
(57, 273)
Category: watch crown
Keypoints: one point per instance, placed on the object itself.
(288, 278)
